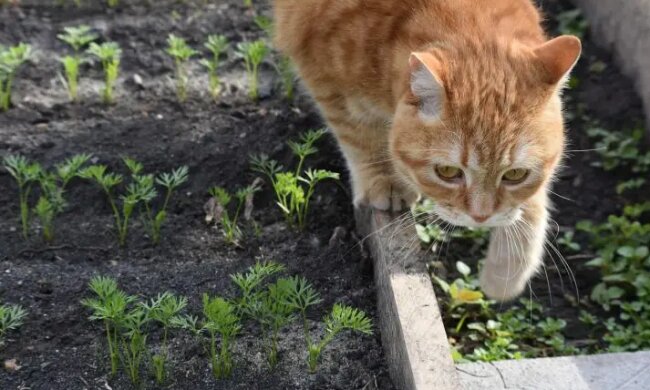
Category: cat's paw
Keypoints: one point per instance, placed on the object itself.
(382, 193)
(504, 286)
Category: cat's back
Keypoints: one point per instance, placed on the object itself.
(365, 43)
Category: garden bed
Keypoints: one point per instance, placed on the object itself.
(58, 347)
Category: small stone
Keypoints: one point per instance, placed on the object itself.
(159, 116)
(11, 365)
(137, 80)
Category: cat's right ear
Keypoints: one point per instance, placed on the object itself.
(426, 84)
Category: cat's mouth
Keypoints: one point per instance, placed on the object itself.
(459, 218)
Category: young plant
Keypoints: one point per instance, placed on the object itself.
(220, 319)
(110, 306)
(11, 318)
(170, 182)
(248, 3)
(265, 24)
(134, 341)
(294, 189)
(164, 309)
(300, 295)
(253, 54)
(287, 73)
(26, 174)
(217, 44)
(272, 311)
(221, 198)
(11, 59)
(78, 38)
(109, 54)
(53, 185)
(112, 3)
(249, 283)
(181, 52)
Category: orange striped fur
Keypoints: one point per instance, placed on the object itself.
(416, 88)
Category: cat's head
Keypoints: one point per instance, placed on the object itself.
(481, 129)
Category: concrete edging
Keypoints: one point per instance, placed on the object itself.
(623, 28)
(413, 335)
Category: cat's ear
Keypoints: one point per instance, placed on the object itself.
(558, 56)
(426, 84)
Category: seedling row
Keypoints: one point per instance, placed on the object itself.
(84, 48)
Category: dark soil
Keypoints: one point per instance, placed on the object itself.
(582, 191)
(58, 347)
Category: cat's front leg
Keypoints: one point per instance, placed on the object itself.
(515, 252)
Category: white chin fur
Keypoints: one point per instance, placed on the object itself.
(462, 219)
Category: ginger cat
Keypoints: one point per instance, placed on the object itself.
(458, 101)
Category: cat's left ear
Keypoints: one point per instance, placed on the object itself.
(426, 84)
(559, 56)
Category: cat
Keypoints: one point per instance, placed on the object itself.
(458, 101)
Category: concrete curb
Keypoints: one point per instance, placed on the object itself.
(623, 27)
(412, 331)
(621, 371)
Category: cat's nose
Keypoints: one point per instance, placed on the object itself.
(480, 218)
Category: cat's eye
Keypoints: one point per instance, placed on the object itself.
(515, 176)
(448, 173)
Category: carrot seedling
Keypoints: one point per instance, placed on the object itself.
(253, 54)
(301, 295)
(220, 321)
(181, 52)
(112, 3)
(134, 341)
(217, 44)
(249, 283)
(26, 174)
(109, 306)
(164, 309)
(170, 181)
(11, 318)
(221, 199)
(109, 54)
(53, 184)
(78, 38)
(294, 189)
(287, 73)
(11, 58)
(272, 311)
(265, 24)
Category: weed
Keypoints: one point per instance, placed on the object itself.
(109, 54)
(11, 318)
(217, 44)
(478, 333)
(181, 52)
(253, 54)
(26, 174)
(221, 198)
(293, 190)
(78, 38)
(11, 58)
(572, 22)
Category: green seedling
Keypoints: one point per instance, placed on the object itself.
(220, 320)
(109, 54)
(248, 3)
(112, 3)
(572, 22)
(53, 185)
(272, 311)
(300, 295)
(170, 182)
(78, 38)
(249, 283)
(265, 24)
(164, 309)
(11, 318)
(26, 174)
(217, 44)
(181, 52)
(293, 189)
(109, 306)
(134, 341)
(287, 73)
(253, 54)
(221, 199)
(11, 58)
